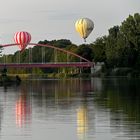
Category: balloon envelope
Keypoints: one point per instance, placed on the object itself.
(84, 27)
(22, 38)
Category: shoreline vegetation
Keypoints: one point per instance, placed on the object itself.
(118, 72)
(118, 53)
(8, 80)
(16, 79)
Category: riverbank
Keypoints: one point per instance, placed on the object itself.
(8, 80)
(117, 72)
(49, 75)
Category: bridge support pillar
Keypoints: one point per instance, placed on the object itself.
(92, 70)
(80, 70)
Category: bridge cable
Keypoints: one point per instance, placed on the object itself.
(18, 58)
(43, 54)
(55, 56)
(30, 55)
(4, 60)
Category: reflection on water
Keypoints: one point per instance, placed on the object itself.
(82, 122)
(22, 109)
(77, 109)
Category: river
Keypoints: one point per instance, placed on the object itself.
(71, 109)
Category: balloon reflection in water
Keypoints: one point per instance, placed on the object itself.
(82, 122)
(23, 110)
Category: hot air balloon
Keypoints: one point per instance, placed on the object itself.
(84, 27)
(23, 39)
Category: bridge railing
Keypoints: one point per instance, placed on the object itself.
(46, 65)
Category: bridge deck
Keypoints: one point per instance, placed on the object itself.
(47, 65)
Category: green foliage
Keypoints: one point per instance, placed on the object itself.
(131, 29)
(99, 49)
(85, 51)
(121, 48)
(62, 43)
(111, 46)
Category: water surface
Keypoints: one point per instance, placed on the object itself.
(72, 109)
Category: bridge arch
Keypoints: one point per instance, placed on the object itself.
(53, 47)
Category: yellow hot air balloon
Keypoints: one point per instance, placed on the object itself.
(84, 27)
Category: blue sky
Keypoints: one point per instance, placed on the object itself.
(55, 19)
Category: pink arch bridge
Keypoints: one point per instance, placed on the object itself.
(86, 62)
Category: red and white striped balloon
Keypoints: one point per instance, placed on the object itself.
(23, 39)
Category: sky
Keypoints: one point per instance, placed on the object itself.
(55, 19)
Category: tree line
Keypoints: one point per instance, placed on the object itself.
(119, 50)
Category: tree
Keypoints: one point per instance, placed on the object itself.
(99, 49)
(111, 45)
(131, 30)
(85, 51)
